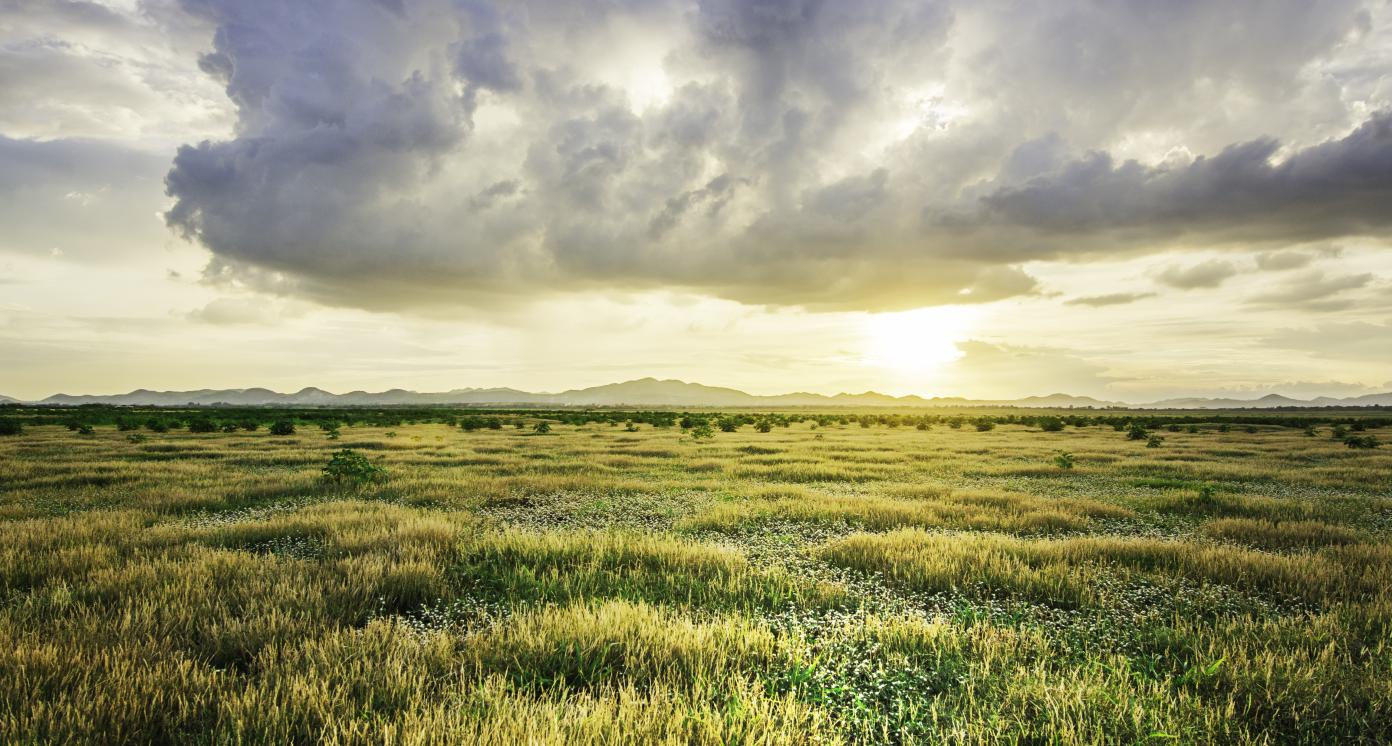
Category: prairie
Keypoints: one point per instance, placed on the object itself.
(622, 579)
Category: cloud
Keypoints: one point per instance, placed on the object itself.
(86, 199)
(236, 311)
(1113, 299)
(1209, 274)
(1357, 340)
(793, 152)
(1242, 195)
(1280, 261)
(1312, 286)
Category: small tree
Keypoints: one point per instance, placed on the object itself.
(1064, 460)
(702, 431)
(1051, 425)
(1154, 441)
(349, 466)
(542, 428)
(282, 427)
(764, 426)
(1137, 431)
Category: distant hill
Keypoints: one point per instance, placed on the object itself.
(8, 400)
(661, 393)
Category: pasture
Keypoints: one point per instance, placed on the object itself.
(605, 582)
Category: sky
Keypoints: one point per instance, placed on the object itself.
(1129, 200)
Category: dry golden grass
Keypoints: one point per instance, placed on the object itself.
(837, 584)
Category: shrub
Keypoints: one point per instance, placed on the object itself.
(728, 424)
(542, 428)
(156, 425)
(1064, 460)
(985, 426)
(1193, 429)
(349, 466)
(282, 427)
(1339, 432)
(765, 426)
(202, 426)
(11, 427)
(1310, 431)
(136, 438)
(1051, 425)
(85, 429)
(125, 425)
(1361, 441)
(1154, 441)
(1137, 431)
(702, 431)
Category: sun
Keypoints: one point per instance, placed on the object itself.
(917, 341)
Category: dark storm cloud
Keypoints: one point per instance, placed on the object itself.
(437, 151)
(1243, 194)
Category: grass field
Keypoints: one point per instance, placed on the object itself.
(599, 585)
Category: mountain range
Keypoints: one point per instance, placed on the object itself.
(660, 393)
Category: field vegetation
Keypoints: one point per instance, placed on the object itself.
(415, 576)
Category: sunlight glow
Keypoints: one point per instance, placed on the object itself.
(917, 341)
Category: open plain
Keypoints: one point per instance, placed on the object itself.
(616, 577)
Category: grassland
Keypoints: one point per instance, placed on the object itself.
(820, 582)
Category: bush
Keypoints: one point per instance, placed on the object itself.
(1051, 425)
(349, 466)
(85, 429)
(1064, 460)
(1154, 441)
(11, 427)
(1137, 431)
(135, 438)
(728, 424)
(282, 427)
(765, 426)
(983, 426)
(156, 425)
(542, 428)
(202, 426)
(702, 431)
(1361, 441)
